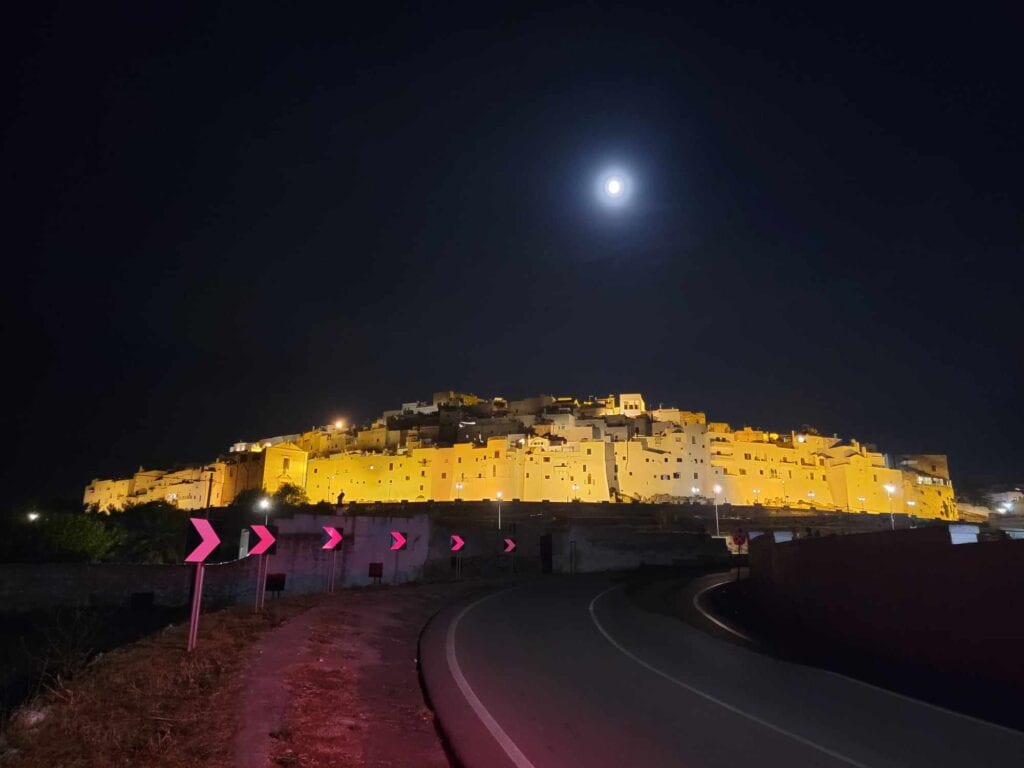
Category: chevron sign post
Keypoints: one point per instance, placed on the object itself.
(267, 545)
(202, 549)
(332, 538)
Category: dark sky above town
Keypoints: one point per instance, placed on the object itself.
(228, 222)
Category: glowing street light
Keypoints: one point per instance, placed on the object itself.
(890, 489)
(32, 516)
(498, 496)
(339, 424)
(614, 186)
(264, 504)
(575, 487)
(717, 489)
(458, 490)
(756, 492)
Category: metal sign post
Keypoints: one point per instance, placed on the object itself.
(197, 600)
(332, 539)
(208, 541)
(457, 543)
(266, 545)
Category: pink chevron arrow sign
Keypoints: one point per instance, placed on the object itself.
(397, 541)
(266, 540)
(510, 544)
(457, 542)
(209, 542)
(333, 537)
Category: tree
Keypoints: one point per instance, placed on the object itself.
(248, 499)
(290, 496)
(153, 532)
(56, 538)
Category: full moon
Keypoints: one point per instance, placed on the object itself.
(613, 186)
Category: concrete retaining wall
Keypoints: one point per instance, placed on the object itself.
(592, 546)
(909, 596)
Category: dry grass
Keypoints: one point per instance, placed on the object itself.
(150, 703)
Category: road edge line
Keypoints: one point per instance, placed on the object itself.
(504, 740)
(708, 696)
(865, 683)
(707, 615)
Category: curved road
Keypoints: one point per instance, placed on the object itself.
(569, 672)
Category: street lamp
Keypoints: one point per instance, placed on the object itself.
(862, 499)
(264, 504)
(575, 487)
(717, 489)
(756, 491)
(458, 490)
(32, 516)
(498, 496)
(890, 489)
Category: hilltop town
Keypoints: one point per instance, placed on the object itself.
(462, 447)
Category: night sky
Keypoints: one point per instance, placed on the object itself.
(231, 223)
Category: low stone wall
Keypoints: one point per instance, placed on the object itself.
(32, 587)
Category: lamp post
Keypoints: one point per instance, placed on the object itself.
(717, 489)
(264, 504)
(756, 493)
(575, 487)
(498, 496)
(890, 489)
(458, 491)
(862, 499)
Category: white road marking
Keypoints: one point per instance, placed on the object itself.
(708, 696)
(504, 740)
(709, 617)
(894, 694)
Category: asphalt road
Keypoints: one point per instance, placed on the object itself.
(570, 672)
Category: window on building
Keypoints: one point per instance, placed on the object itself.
(588, 451)
(694, 475)
(675, 475)
(547, 458)
(286, 463)
(444, 475)
(746, 456)
(743, 471)
(391, 466)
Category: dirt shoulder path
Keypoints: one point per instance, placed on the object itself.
(313, 681)
(339, 684)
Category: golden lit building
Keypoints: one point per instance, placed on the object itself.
(556, 449)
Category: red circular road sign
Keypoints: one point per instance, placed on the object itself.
(739, 539)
